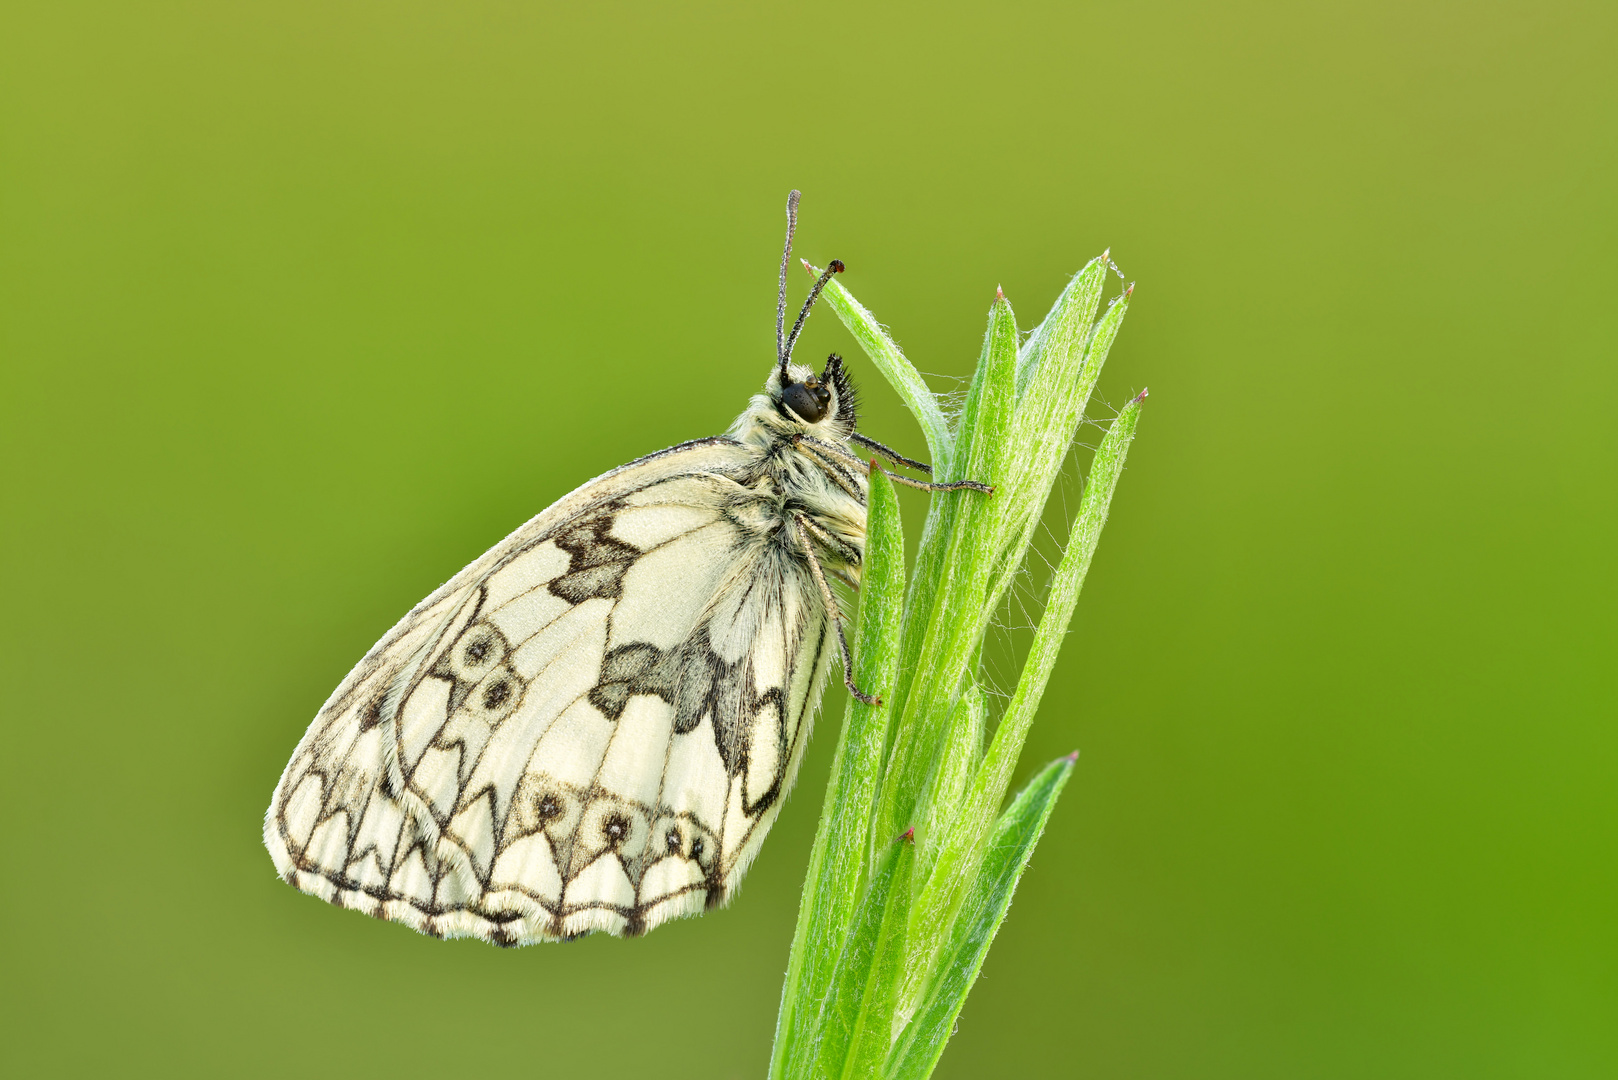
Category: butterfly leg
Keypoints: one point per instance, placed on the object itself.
(822, 449)
(847, 552)
(928, 485)
(892, 455)
(833, 612)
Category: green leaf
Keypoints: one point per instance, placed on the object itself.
(857, 1016)
(1105, 469)
(990, 396)
(918, 1047)
(957, 764)
(1058, 369)
(903, 377)
(952, 605)
(1044, 359)
(894, 367)
(953, 869)
(837, 861)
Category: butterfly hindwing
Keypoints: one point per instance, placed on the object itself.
(589, 728)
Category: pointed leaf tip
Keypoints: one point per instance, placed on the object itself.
(1144, 391)
(999, 293)
(806, 267)
(1073, 757)
(1129, 289)
(909, 836)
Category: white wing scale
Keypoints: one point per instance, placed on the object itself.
(589, 728)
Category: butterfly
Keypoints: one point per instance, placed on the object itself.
(593, 726)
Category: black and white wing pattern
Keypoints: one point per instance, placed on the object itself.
(590, 728)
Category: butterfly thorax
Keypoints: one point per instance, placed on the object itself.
(800, 466)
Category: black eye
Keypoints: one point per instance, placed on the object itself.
(809, 402)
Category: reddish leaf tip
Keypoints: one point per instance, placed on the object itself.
(1129, 289)
(1144, 391)
(1073, 757)
(909, 836)
(999, 293)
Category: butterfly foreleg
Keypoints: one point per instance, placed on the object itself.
(889, 453)
(807, 530)
(821, 449)
(928, 485)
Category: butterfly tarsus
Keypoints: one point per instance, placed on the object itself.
(833, 612)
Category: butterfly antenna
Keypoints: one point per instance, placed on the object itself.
(781, 292)
(834, 267)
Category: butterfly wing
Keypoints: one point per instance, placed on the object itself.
(590, 728)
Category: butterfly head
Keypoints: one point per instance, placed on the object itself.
(823, 402)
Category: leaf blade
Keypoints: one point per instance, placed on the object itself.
(1012, 843)
(947, 644)
(957, 861)
(901, 375)
(860, 1006)
(837, 860)
(1094, 505)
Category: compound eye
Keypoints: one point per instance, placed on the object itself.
(809, 402)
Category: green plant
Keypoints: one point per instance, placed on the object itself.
(914, 862)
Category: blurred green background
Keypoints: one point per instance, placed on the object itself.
(304, 305)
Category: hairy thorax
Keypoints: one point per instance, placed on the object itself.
(783, 483)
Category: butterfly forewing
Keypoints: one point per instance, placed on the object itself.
(589, 728)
